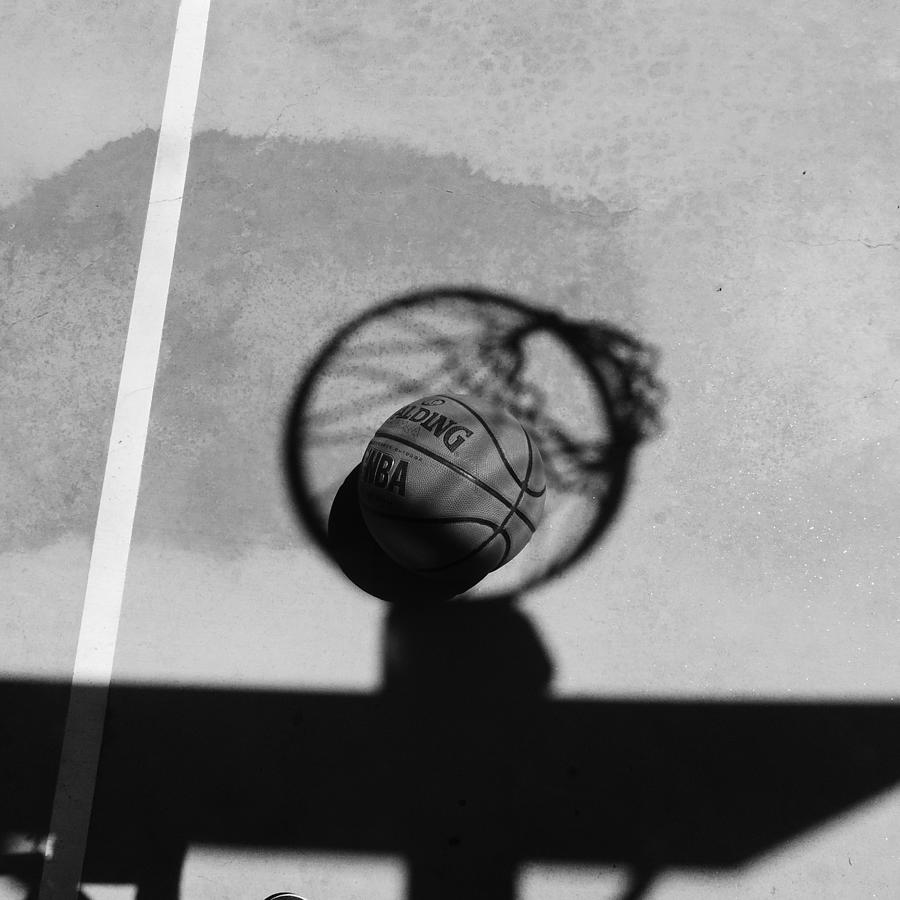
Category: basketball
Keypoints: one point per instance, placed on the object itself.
(451, 487)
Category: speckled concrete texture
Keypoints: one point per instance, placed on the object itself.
(77, 75)
(720, 181)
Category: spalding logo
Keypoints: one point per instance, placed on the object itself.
(440, 426)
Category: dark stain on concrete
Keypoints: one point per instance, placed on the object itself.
(68, 260)
(280, 242)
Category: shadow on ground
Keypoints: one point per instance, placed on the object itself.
(461, 765)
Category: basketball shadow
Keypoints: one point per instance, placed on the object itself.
(490, 345)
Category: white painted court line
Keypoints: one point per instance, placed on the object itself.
(77, 775)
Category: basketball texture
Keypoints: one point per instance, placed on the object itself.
(450, 487)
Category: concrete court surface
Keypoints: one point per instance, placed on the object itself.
(720, 180)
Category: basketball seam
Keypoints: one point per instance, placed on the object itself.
(430, 520)
(461, 471)
(503, 524)
(497, 530)
(505, 556)
(528, 490)
(522, 492)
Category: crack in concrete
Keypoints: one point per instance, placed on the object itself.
(872, 245)
(883, 390)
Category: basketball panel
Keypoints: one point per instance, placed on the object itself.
(485, 462)
(492, 470)
(500, 431)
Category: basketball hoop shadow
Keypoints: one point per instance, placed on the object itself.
(587, 392)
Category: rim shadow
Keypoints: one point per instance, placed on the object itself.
(586, 390)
